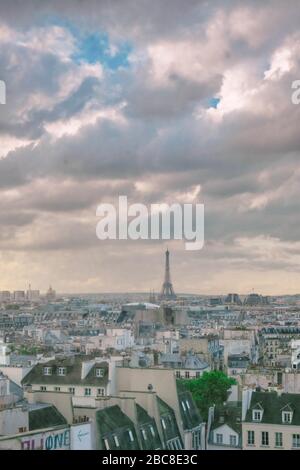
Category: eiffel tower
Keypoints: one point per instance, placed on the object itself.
(167, 291)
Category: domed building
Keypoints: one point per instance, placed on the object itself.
(51, 294)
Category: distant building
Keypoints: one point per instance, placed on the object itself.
(233, 299)
(295, 350)
(33, 295)
(237, 364)
(19, 296)
(113, 338)
(10, 392)
(50, 295)
(213, 301)
(275, 345)
(186, 367)
(208, 348)
(5, 296)
(253, 300)
(4, 354)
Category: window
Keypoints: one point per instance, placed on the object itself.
(87, 392)
(219, 438)
(232, 440)
(57, 389)
(72, 390)
(175, 444)
(47, 370)
(116, 441)
(170, 445)
(251, 438)
(100, 392)
(278, 439)
(61, 371)
(43, 389)
(256, 415)
(196, 440)
(178, 374)
(22, 429)
(130, 436)
(286, 416)
(296, 440)
(197, 374)
(99, 372)
(106, 444)
(187, 374)
(264, 438)
(144, 434)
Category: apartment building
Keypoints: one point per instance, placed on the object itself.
(208, 348)
(275, 345)
(73, 375)
(177, 417)
(271, 421)
(224, 428)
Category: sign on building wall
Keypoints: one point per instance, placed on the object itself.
(81, 437)
(52, 440)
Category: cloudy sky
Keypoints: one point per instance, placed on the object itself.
(162, 101)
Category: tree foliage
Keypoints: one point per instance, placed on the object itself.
(210, 389)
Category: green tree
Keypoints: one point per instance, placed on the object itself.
(210, 389)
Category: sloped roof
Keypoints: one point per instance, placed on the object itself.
(73, 373)
(45, 417)
(189, 411)
(168, 415)
(273, 405)
(257, 406)
(230, 415)
(145, 423)
(194, 362)
(113, 422)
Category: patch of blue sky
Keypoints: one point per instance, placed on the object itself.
(213, 102)
(94, 46)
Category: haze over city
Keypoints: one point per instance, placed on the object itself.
(160, 104)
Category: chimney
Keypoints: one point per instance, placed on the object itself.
(85, 368)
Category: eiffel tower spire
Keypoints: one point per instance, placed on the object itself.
(167, 291)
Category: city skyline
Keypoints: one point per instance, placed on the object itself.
(161, 105)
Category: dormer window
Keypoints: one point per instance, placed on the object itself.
(47, 370)
(61, 371)
(99, 372)
(257, 415)
(287, 417)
